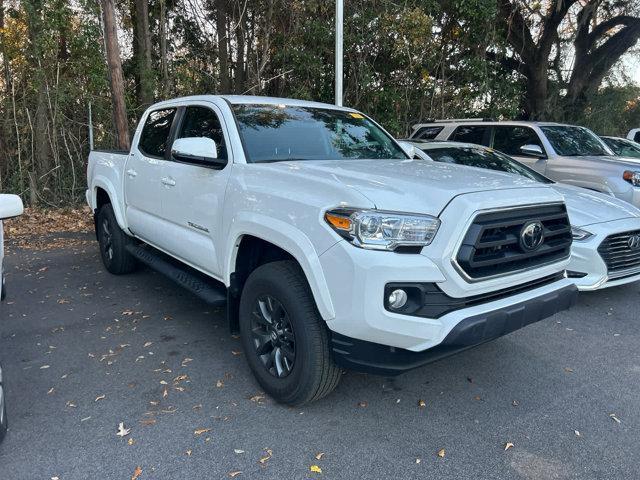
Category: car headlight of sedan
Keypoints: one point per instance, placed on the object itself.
(580, 234)
(632, 176)
(379, 230)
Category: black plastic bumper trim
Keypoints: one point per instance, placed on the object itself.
(369, 357)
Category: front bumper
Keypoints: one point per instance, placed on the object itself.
(357, 278)
(585, 258)
(474, 330)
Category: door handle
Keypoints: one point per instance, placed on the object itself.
(169, 182)
(132, 173)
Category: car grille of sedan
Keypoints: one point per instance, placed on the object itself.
(621, 254)
(495, 244)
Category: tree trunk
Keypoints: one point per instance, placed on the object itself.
(116, 78)
(223, 53)
(537, 91)
(163, 50)
(143, 60)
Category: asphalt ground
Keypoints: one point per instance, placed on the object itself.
(83, 351)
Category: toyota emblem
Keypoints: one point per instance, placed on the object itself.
(532, 236)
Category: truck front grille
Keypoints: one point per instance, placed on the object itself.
(621, 254)
(497, 242)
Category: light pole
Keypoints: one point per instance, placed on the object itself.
(339, 42)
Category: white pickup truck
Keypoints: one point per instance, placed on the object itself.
(329, 243)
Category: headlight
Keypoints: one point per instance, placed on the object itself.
(579, 234)
(632, 177)
(378, 230)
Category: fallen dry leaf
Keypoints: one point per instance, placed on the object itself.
(266, 458)
(577, 433)
(515, 403)
(136, 473)
(319, 456)
(188, 452)
(238, 451)
(200, 431)
(50, 391)
(165, 392)
(131, 441)
(422, 404)
(219, 384)
(257, 398)
(100, 397)
(568, 370)
(418, 460)
(363, 404)
(148, 421)
(147, 344)
(614, 418)
(234, 474)
(442, 453)
(44, 367)
(122, 432)
(315, 468)
(508, 445)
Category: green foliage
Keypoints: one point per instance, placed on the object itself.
(404, 62)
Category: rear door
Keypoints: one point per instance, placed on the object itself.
(143, 174)
(509, 138)
(193, 194)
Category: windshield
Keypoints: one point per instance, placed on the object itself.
(570, 141)
(622, 147)
(483, 158)
(272, 133)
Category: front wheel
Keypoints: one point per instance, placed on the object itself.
(285, 340)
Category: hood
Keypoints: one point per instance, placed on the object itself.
(407, 185)
(586, 207)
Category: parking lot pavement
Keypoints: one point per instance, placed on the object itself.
(83, 351)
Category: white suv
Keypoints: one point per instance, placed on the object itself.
(564, 153)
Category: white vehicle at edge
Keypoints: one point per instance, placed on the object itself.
(10, 206)
(328, 244)
(606, 231)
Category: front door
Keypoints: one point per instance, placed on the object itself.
(194, 194)
(509, 138)
(143, 175)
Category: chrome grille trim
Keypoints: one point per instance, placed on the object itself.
(621, 260)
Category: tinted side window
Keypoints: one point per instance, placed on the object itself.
(155, 133)
(471, 134)
(636, 137)
(427, 133)
(509, 139)
(203, 122)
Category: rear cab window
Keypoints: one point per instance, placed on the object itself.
(155, 133)
(478, 134)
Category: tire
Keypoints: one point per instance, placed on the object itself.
(113, 243)
(310, 373)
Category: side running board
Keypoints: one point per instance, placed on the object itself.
(209, 290)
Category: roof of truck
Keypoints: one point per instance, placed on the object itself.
(259, 100)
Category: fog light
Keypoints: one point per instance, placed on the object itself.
(397, 299)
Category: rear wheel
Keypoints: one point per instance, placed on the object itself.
(285, 340)
(113, 243)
